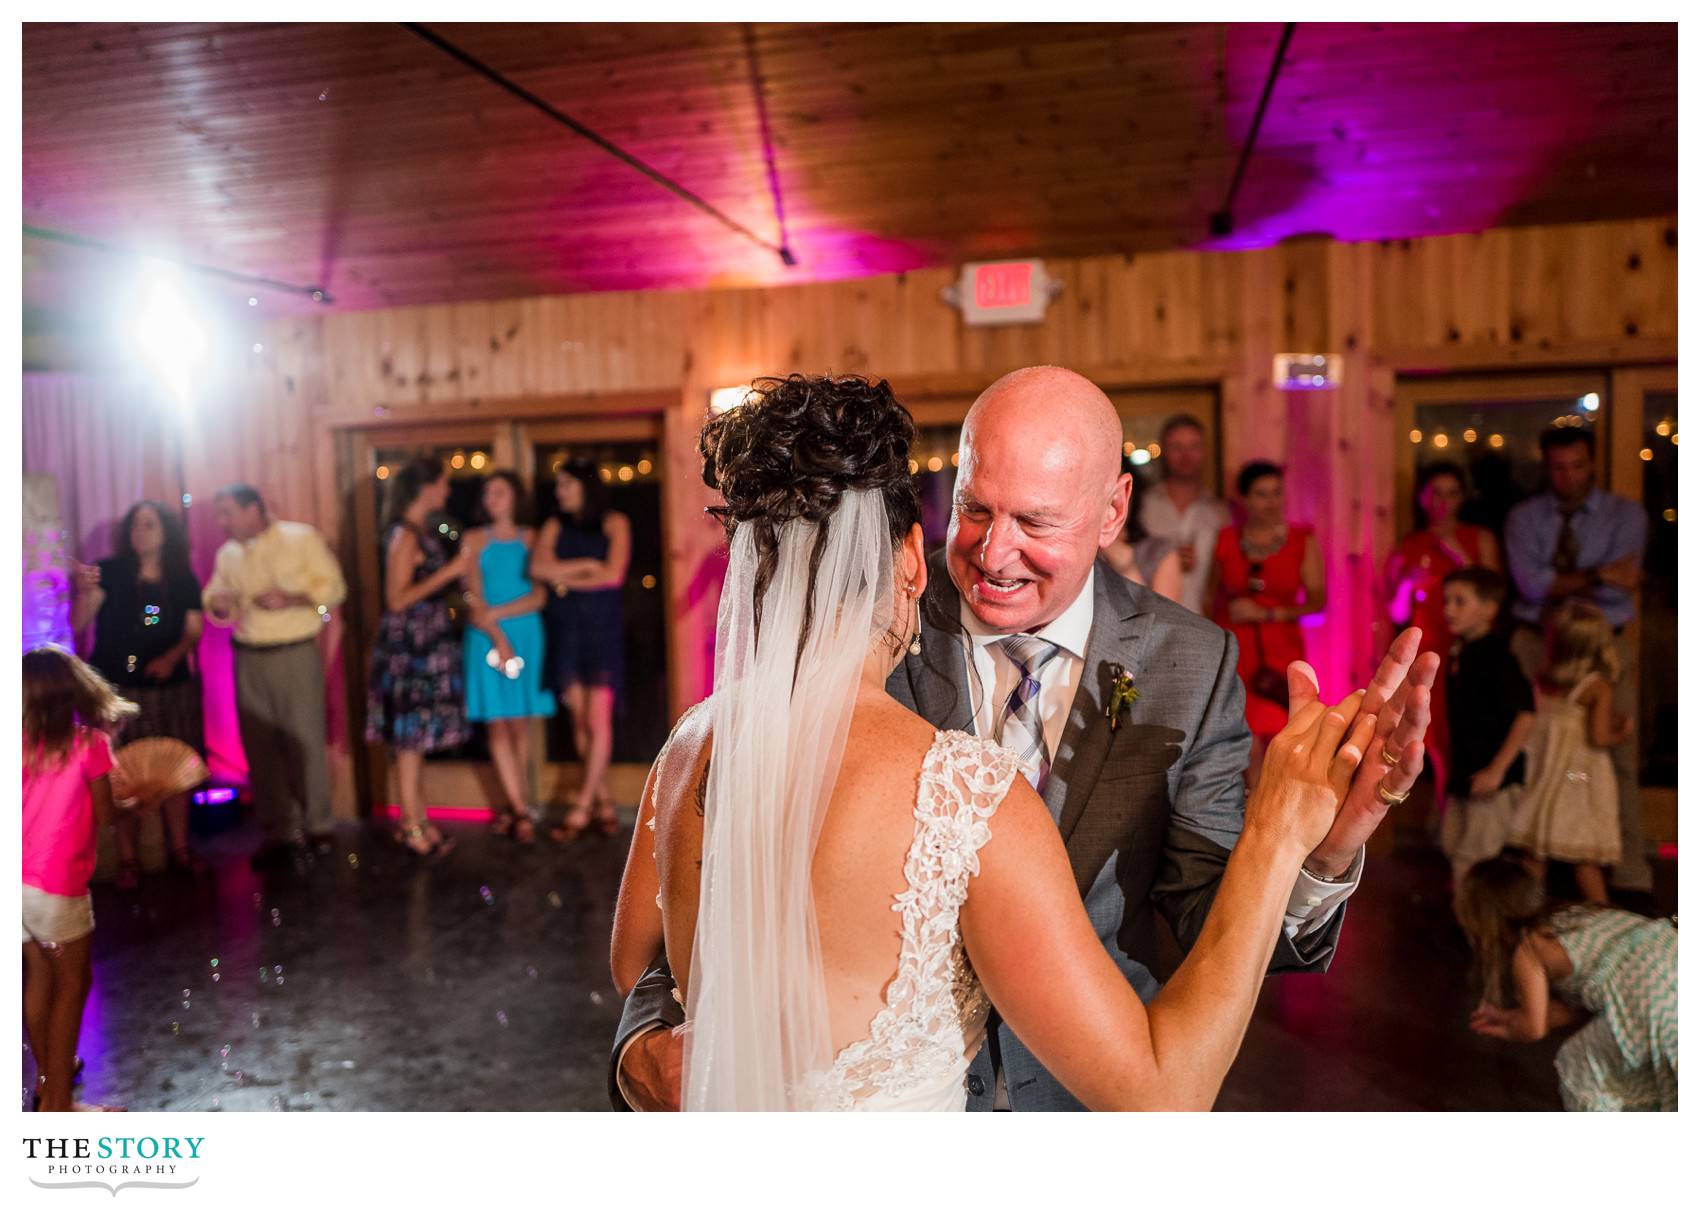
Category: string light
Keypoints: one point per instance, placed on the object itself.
(383, 471)
(1670, 515)
(956, 459)
(1496, 441)
(645, 467)
(1469, 435)
(607, 475)
(1127, 448)
(1663, 428)
(1440, 441)
(1416, 436)
(914, 468)
(649, 581)
(935, 464)
(625, 474)
(1646, 454)
(459, 460)
(478, 459)
(1156, 449)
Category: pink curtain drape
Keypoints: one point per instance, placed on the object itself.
(92, 434)
(109, 441)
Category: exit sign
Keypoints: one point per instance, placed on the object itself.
(1002, 292)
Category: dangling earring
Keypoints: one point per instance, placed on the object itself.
(915, 640)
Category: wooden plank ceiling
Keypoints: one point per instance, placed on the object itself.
(364, 160)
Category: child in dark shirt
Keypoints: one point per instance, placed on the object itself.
(1492, 710)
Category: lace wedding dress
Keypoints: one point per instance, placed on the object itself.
(918, 1048)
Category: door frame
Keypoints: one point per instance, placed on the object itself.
(508, 430)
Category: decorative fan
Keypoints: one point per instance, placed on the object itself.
(149, 770)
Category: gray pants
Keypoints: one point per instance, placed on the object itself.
(1632, 871)
(280, 705)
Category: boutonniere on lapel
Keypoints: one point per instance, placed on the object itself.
(1122, 695)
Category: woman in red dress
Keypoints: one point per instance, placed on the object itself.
(1412, 581)
(1267, 577)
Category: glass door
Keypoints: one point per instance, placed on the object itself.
(460, 777)
(1491, 427)
(627, 457)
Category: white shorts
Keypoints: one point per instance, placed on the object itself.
(55, 918)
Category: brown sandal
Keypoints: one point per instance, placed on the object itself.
(576, 822)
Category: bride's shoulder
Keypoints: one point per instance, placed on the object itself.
(682, 754)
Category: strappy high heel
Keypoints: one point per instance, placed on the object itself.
(423, 841)
(576, 822)
(607, 819)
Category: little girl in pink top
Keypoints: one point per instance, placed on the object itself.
(67, 798)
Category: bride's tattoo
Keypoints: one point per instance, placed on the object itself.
(702, 793)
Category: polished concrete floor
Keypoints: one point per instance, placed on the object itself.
(372, 981)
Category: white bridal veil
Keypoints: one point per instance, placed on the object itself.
(758, 1010)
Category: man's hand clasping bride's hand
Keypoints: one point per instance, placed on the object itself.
(1396, 708)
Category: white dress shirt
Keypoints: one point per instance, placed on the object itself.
(992, 676)
(1200, 524)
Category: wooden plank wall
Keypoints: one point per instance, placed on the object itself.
(1599, 294)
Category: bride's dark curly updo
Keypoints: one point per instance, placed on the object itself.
(798, 444)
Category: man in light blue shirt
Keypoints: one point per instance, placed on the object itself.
(1578, 541)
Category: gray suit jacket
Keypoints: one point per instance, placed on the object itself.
(1148, 811)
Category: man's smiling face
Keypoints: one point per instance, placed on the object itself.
(1038, 492)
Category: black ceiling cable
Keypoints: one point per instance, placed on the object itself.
(578, 128)
(756, 88)
(1222, 221)
(315, 293)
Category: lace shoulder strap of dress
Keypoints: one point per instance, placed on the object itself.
(964, 779)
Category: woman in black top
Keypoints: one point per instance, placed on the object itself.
(146, 606)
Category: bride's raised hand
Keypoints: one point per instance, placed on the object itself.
(1308, 770)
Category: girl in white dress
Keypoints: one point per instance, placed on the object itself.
(1568, 810)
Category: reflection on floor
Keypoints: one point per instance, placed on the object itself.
(371, 981)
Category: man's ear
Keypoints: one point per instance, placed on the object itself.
(1116, 517)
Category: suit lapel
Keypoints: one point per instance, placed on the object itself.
(1120, 626)
(938, 678)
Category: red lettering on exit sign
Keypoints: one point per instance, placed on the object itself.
(1009, 284)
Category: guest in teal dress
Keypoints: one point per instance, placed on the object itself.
(504, 646)
(1545, 966)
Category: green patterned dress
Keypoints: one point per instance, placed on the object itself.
(1624, 971)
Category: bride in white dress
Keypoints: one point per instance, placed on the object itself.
(844, 891)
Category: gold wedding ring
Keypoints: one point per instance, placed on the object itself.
(1390, 798)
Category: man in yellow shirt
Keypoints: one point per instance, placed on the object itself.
(275, 583)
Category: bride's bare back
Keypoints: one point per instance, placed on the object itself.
(858, 867)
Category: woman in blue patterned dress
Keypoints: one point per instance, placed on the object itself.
(414, 700)
(504, 646)
(1617, 966)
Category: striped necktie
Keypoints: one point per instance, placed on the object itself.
(1022, 730)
